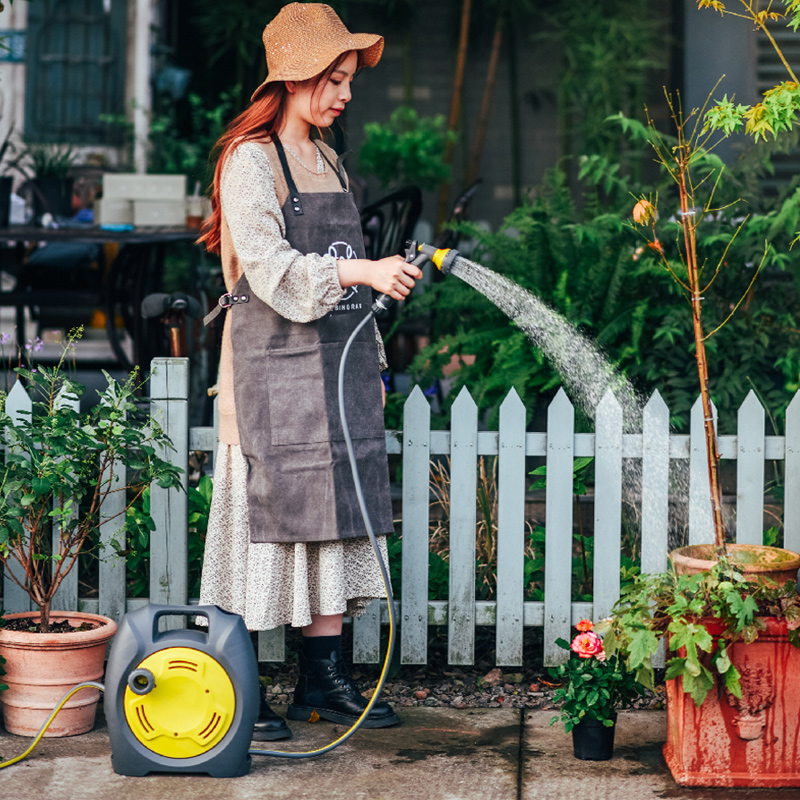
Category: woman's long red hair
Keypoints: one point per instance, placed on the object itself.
(263, 118)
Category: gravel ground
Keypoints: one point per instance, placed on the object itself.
(482, 685)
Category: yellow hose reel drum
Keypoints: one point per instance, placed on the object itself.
(181, 700)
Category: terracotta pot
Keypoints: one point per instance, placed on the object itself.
(753, 560)
(749, 741)
(593, 741)
(42, 667)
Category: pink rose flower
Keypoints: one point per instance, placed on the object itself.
(587, 644)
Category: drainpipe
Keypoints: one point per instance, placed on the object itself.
(141, 93)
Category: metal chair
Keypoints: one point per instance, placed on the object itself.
(389, 222)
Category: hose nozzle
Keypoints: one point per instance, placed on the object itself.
(418, 254)
(443, 258)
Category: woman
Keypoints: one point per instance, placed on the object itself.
(286, 543)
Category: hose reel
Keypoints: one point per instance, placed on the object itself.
(181, 700)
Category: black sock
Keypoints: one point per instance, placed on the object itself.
(317, 647)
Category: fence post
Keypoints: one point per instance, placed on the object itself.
(463, 469)
(511, 531)
(558, 526)
(112, 527)
(791, 509)
(15, 600)
(655, 494)
(416, 494)
(750, 442)
(701, 524)
(655, 485)
(607, 504)
(272, 644)
(66, 598)
(169, 396)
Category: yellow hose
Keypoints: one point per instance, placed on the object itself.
(37, 739)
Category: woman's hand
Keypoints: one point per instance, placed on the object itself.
(392, 275)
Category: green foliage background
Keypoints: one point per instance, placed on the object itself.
(583, 256)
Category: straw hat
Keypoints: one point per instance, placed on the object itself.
(305, 38)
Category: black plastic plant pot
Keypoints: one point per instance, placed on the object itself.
(53, 195)
(593, 741)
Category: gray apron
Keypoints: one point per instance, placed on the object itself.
(299, 482)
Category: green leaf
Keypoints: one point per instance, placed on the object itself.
(676, 667)
(722, 661)
(41, 485)
(643, 644)
(698, 686)
(744, 609)
(732, 683)
(690, 635)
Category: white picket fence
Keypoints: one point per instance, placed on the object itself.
(464, 444)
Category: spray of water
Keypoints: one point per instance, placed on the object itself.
(586, 373)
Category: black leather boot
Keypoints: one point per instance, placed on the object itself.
(269, 726)
(324, 689)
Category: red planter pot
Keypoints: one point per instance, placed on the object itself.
(42, 667)
(752, 741)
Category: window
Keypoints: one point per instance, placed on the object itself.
(76, 70)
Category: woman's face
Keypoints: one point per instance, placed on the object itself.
(320, 104)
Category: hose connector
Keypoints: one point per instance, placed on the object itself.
(141, 681)
(444, 258)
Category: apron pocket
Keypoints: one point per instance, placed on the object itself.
(303, 402)
(296, 387)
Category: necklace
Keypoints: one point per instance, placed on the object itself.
(320, 162)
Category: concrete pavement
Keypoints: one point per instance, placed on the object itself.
(436, 754)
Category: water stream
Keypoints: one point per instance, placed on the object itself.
(585, 371)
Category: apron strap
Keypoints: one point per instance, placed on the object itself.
(294, 195)
(338, 167)
(223, 304)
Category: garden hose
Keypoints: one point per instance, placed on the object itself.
(46, 725)
(417, 255)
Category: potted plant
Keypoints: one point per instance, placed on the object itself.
(695, 170)
(47, 166)
(56, 473)
(733, 700)
(729, 613)
(594, 686)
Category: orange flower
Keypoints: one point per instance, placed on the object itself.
(587, 645)
(643, 212)
(584, 625)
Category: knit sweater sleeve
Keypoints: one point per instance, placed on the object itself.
(299, 287)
